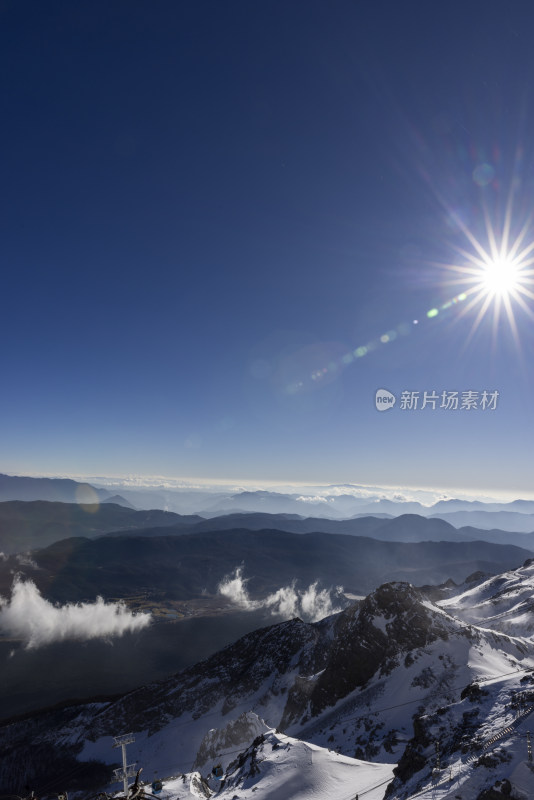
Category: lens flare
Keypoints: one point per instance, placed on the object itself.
(495, 274)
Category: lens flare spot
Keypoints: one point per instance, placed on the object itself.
(87, 498)
(432, 313)
(483, 174)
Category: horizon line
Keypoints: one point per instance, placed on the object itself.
(138, 481)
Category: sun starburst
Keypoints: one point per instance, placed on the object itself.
(496, 274)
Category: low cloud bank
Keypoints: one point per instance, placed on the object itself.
(28, 616)
(308, 604)
(25, 560)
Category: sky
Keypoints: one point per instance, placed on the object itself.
(223, 226)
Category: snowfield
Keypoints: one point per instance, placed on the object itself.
(290, 769)
(279, 767)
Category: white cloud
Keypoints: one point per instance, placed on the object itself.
(310, 604)
(312, 499)
(425, 495)
(28, 616)
(25, 560)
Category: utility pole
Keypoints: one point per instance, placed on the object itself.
(127, 770)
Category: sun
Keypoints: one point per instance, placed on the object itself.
(500, 278)
(495, 274)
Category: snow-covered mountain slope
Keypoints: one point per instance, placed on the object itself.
(278, 767)
(504, 602)
(220, 745)
(382, 681)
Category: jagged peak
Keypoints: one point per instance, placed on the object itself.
(392, 598)
(220, 743)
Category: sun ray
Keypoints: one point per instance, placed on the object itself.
(507, 222)
(522, 255)
(479, 317)
(523, 305)
(512, 320)
(494, 254)
(496, 317)
(519, 238)
(471, 305)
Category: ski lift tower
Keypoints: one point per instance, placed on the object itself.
(127, 770)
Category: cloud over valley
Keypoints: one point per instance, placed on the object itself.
(28, 616)
(309, 604)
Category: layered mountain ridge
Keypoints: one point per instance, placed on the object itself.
(332, 502)
(192, 565)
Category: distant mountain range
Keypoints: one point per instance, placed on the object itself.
(28, 525)
(403, 528)
(191, 565)
(345, 506)
(490, 520)
(211, 504)
(118, 500)
(61, 490)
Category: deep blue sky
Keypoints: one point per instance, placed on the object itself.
(204, 203)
